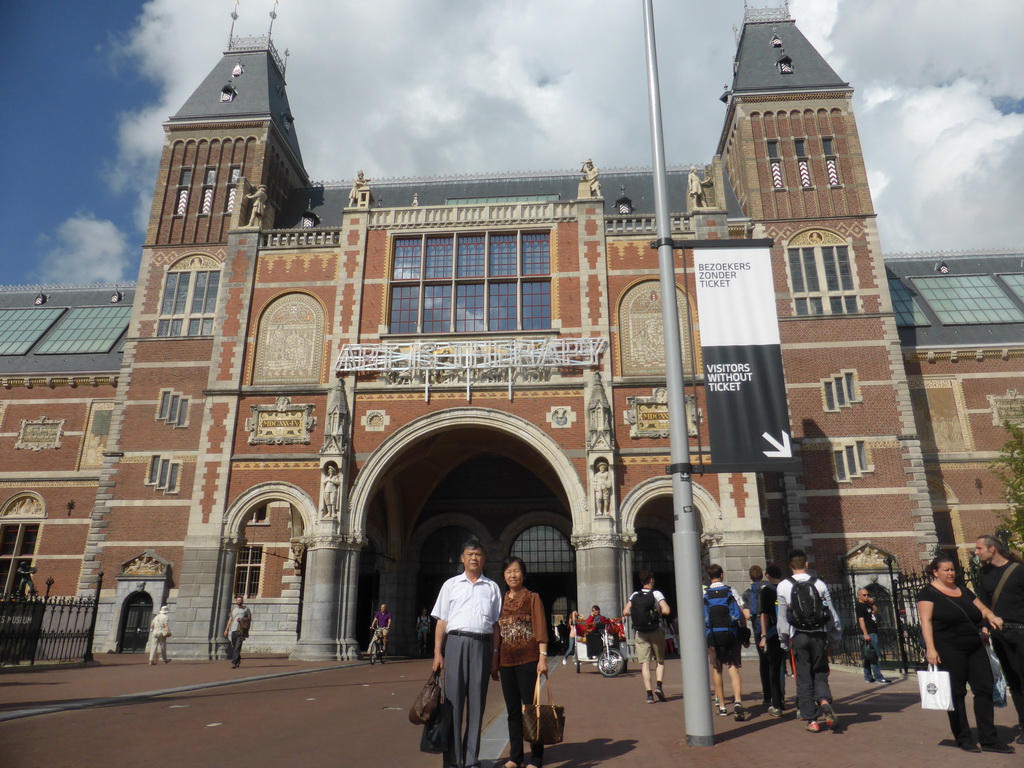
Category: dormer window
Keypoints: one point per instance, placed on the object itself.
(227, 93)
(776, 41)
(309, 220)
(785, 65)
(287, 120)
(238, 70)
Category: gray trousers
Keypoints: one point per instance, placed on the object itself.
(467, 670)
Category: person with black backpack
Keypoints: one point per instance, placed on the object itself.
(768, 642)
(727, 634)
(807, 622)
(646, 607)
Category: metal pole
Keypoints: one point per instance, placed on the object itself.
(686, 538)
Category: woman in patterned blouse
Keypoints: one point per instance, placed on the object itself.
(522, 656)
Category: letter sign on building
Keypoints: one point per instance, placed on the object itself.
(745, 391)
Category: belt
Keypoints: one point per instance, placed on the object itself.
(474, 635)
(1015, 626)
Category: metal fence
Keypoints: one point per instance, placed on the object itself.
(43, 628)
(899, 626)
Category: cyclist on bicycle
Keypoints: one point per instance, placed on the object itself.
(382, 621)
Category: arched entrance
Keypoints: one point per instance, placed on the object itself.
(550, 566)
(137, 613)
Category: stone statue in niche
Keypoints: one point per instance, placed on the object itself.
(695, 189)
(259, 206)
(599, 417)
(602, 489)
(331, 490)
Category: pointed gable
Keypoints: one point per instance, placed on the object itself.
(775, 56)
(246, 84)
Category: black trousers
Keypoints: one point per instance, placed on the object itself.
(969, 666)
(810, 648)
(517, 685)
(776, 658)
(762, 668)
(1009, 647)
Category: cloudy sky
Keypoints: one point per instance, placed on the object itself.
(424, 87)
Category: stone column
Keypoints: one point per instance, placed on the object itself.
(348, 568)
(319, 641)
(600, 560)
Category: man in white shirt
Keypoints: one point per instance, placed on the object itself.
(466, 648)
(650, 637)
(810, 643)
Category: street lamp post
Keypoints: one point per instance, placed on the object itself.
(686, 536)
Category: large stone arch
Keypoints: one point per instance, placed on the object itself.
(368, 481)
(654, 487)
(234, 519)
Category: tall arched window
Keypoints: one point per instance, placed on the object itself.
(190, 297)
(544, 549)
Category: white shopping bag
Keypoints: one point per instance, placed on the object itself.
(936, 691)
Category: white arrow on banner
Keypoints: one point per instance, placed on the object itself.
(782, 450)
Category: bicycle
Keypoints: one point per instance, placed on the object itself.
(377, 650)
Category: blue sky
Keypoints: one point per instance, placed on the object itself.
(424, 87)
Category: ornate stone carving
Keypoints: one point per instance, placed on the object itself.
(336, 428)
(146, 564)
(599, 417)
(360, 196)
(330, 492)
(648, 416)
(94, 442)
(603, 540)
(258, 207)
(290, 347)
(812, 237)
(867, 558)
(281, 423)
(1008, 407)
(40, 435)
(24, 505)
(642, 339)
(701, 192)
(603, 488)
(590, 184)
(561, 417)
(942, 415)
(298, 547)
(376, 420)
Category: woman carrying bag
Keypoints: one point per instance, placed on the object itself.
(522, 658)
(951, 623)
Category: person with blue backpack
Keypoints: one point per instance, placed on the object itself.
(808, 622)
(727, 634)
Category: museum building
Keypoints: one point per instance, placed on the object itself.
(315, 393)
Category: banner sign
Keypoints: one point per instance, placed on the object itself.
(744, 386)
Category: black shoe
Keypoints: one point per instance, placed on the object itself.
(1001, 749)
(650, 698)
(660, 693)
(1019, 739)
(970, 747)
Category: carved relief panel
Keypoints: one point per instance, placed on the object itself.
(641, 337)
(290, 344)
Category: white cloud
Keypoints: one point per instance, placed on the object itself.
(421, 87)
(88, 250)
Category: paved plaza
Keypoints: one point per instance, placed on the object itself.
(274, 712)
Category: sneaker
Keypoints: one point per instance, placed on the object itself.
(563, 661)
(883, 681)
(660, 692)
(868, 680)
(722, 712)
(813, 726)
(1019, 739)
(714, 701)
(650, 698)
(774, 712)
(831, 718)
(739, 713)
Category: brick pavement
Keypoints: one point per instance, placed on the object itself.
(353, 714)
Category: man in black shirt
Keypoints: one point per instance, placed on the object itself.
(867, 622)
(1001, 587)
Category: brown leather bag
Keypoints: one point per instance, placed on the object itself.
(543, 723)
(426, 701)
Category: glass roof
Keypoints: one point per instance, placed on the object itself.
(21, 328)
(1016, 283)
(967, 300)
(908, 312)
(87, 330)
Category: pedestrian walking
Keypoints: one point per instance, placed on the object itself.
(574, 623)
(752, 612)
(466, 643)
(1001, 587)
(769, 642)
(808, 622)
(522, 658)
(951, 619)
(647, 607)
(237, 629)
(160, 630)
(724, 621)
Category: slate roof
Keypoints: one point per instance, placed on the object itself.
(756, 65)
(65, 299)
(905, 267)
(260, 91)
(327, 202)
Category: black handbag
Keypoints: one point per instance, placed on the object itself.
(543, 723)
(870, 654)
(426, 700)
(437, 733)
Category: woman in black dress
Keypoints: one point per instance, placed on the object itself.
(951, 622)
